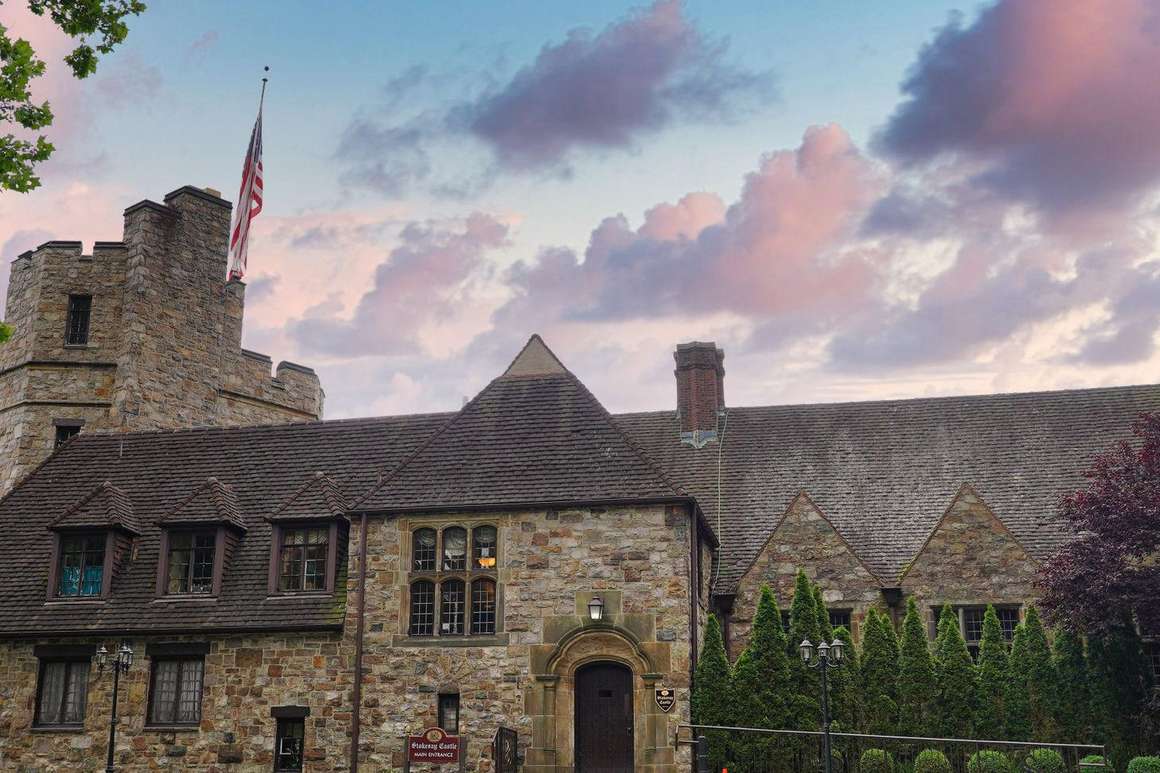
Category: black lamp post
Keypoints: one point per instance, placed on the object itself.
(119, 662)
(829, 656)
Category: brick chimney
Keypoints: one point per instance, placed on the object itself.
(700, 389)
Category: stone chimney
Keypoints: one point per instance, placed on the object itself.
(700, 376)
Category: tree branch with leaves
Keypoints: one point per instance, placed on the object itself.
(99, 26)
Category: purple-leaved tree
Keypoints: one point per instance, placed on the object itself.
(1111, 570)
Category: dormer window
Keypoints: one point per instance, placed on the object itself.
(307, 532)
(303, 559)
(81, 571)
(191, 561)
(93, 538)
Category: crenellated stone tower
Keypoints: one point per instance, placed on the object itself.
(142, 334)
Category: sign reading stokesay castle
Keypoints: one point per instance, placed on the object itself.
(320, 590)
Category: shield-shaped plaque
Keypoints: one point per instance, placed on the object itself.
(665, 698)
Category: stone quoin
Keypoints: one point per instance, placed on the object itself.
(313, 593)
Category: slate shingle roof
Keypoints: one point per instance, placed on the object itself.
(212, 502)
(882, 472)
(535, 435)
(105, 506)
(156, 471)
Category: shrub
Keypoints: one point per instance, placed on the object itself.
(931, 761)
(1045, 761)
(876, 761)
(988, 761)
(1144, 765)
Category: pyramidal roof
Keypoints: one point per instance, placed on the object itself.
(535, 436)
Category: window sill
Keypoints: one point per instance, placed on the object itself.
(495, 640)
(303, 594)
(79, 346)
(58, 728)
(82, 602)
(179, 597)
(172, 728)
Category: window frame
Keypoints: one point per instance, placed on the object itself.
(284, 718)
(277, 539)
(71, 657)
(181, 653)
(961, 613)
(69, 320)
(54, 573)
(219, 549)
(441, 711)
(438, 576)
(65, 430)
(847, 612)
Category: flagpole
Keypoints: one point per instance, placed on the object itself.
(262, 97)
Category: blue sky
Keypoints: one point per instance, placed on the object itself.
(857, 200)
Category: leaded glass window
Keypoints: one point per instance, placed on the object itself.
(454, 549)
(302, 564)
(82, 565)
(422, 608)
(483, 606)
(63, 692)
(451, 604)
(175, 698)
(483, 547)
(191, 562)
(423, 550)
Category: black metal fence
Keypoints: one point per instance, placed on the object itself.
(756, 750)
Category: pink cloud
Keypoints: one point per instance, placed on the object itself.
(1054, 103)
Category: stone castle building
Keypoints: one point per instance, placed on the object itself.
(144, 333)
(304, 596)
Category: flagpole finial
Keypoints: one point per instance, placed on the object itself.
(265, 79)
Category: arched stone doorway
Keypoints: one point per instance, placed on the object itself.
(552, 700)
(603, 718)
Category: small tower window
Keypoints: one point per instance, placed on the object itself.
(65, 433)
(77, 330)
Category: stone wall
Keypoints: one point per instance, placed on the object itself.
(164, 347)
(804, 539)
(550, 564)
(970, 558)
(245, 676)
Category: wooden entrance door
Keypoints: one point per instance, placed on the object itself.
(604, 719)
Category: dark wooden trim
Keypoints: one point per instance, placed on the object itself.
(289, 712)
(503, 507)
(360, 611)
(331, 556)
(41, 633)
(163, 564)
(54, 567)
(275, 557)
(219, 531)
(64, 651)
(110, 559)
(219, 560)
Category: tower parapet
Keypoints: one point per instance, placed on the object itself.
(144, 333)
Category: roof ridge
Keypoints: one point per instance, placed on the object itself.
(332, 494)
(119, 513)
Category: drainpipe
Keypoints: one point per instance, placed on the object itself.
(694, 591)
(356, 699)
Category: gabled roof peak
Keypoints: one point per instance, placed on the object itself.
(319, 497)
(210, 503)
(103, 507)
(535, 359)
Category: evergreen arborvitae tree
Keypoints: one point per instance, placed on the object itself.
(825, 630)
(1073, 709)
(805, 704)
(916, 683)
(761, 683)
(1041, 680)
(879, 674)
(992, 678)
(845, 685)
(711, 692)
(1121, 684)
(955, 677)
(1016, 701)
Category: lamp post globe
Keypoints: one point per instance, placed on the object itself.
(806, 650)
(596, 608)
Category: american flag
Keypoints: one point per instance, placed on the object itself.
(249, 200)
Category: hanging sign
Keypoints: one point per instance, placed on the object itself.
(666, 698)
(433, 745)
